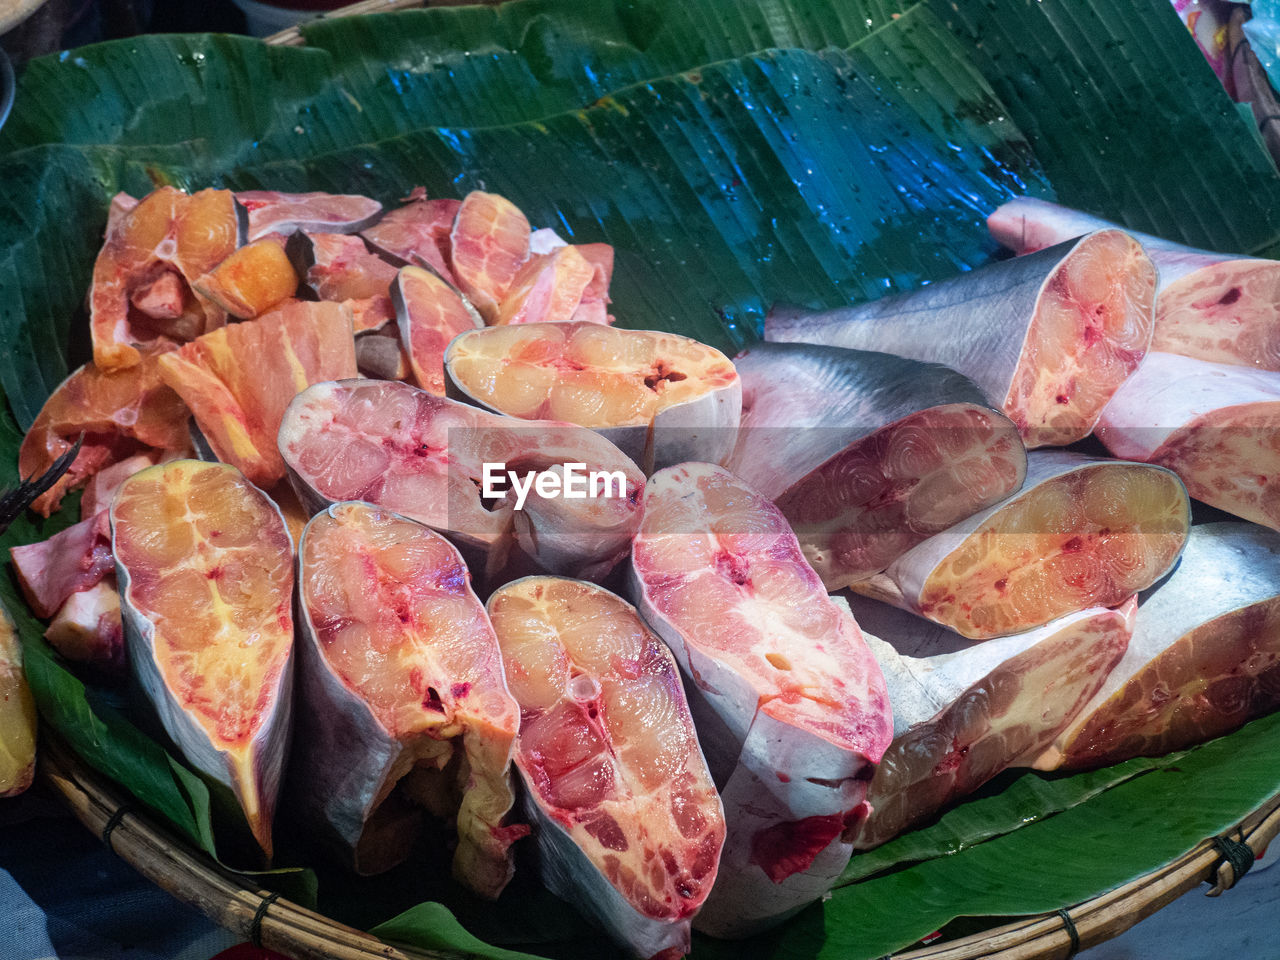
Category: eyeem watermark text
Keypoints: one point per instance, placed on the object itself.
(573, 482)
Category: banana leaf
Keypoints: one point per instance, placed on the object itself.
(816, 177)
(786, 175)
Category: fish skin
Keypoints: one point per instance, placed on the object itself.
(903, 582)
(965, 711)
(1210, 423)
(1214, 306)
(774, 768)
(790, 388)
(1204, 658)
(990, 324)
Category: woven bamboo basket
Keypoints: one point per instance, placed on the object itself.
(287, 928)
(278, 924)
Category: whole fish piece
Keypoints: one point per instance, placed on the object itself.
(418, 233)
(625, 814)
(261, 212)
(1082, 532)
(1212, 306)
(424, 457)
(1204, 658)
(238, 380)
(790, 704)
(660, 397)
(402, 701)
(141, 291)
(867, 454)
(118, 415)
(488, 244)
(1213, 424)
(205, 567)
(429, 314)
(964, 711)
(1048, 337)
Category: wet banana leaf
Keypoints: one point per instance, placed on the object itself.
(786, 175)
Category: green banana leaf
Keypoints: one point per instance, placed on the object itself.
(786, 175)
(728, 175)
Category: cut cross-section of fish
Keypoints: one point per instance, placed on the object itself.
(1048, 337)
(1216, 425)
(17, 715)
(661, 398)
(238, 380)
(1213, 306)
(251, 280)
(205, 567)
(1081, 533)
(153, 252)
(266, 211)
(429, 313)
(418, 233)
(627, 819)
(790, 704)
(965, 711)
(338, 266)
(402, 696)
(1204, 658)
(548, 288)
(868, 454)
(489, 243)
(118, 415)
(425, 457)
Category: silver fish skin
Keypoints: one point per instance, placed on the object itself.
(963, 712)
(1215, 306)
(867, 454)
(1047, 337)
(1204, 658)
(1213, 424)
(1092, 528)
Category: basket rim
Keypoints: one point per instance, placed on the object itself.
(279, 924)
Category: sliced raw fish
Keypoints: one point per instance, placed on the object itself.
(790, 704)
(251, 280)
(205, 567)
(17, 715)
(1082, 532)
(423, 456)
(548, 288)
(594, 307)
(403, 703)
(418, 233)
(103, 485)
(965, 711)
(170, 238)
(119, 415)
(868, 454)
(1216, 425)
(429, 313)
(71, 560)
(87, 628)
(1204, 658)
(238, 380)
(1212, 306)
(1048, 337)
(660, 397)
(265, 211)
(488, 245)
(338, 266)
(626, 817)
